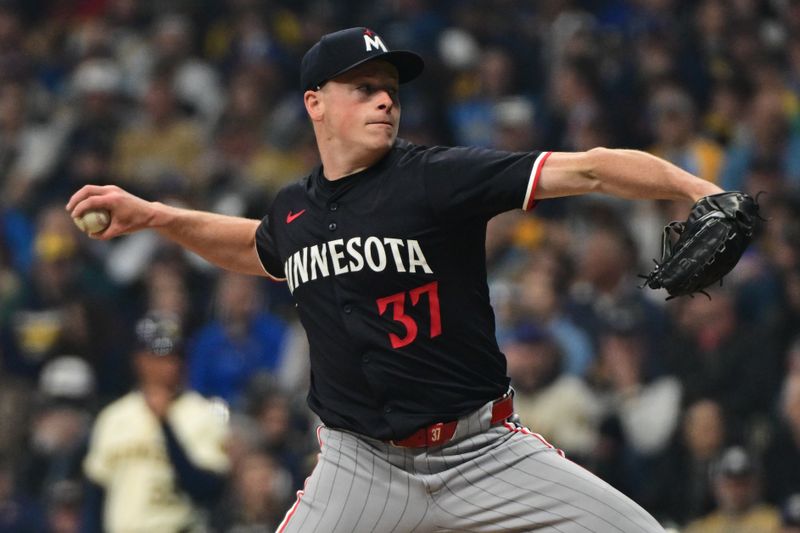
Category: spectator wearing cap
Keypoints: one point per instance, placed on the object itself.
(736, 482)
(157, 456)
(686, 462)
(639, 402)
(60, 425)
(551, 402)
(646, 403)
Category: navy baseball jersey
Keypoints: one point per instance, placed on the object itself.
(388, 271)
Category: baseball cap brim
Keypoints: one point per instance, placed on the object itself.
(408, 64)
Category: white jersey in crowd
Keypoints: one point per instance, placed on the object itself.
(128, 458)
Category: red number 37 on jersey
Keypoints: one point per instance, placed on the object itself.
(398, 303)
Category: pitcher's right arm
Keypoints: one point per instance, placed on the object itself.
(227, 242)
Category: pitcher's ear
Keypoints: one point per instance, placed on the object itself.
(315, 105)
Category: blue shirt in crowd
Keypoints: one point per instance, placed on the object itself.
(222, 366)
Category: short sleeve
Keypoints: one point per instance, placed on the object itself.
(468, 181)
(267, 250)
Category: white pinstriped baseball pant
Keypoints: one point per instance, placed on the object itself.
(487, 478)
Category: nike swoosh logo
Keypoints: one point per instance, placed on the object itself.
(291, 216)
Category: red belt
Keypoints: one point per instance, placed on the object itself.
(441, 432)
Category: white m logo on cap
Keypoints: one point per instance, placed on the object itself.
(373, 41)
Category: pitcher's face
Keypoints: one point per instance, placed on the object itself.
(361, 107)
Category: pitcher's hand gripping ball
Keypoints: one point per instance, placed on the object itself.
(93, 221)
(709, 244)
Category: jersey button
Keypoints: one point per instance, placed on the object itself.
(334, 206)
(387, 409)
(365, 359)
(332, 226)
(347, 309)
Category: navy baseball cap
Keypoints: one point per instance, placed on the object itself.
(338, 52)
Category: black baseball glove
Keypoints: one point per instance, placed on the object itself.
(709, 244)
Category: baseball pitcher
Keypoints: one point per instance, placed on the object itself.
(382, 247)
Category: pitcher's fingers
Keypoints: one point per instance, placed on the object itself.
(90, 203)
(85, 192)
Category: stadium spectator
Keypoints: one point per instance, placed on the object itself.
(283, 428)
(560, 406)
(472, 115)
(28, 151)
(646, 403)
(62, 417)
(605, 290)
(194, 81)
(713, 360)
(239, 342)
(768, 136)
(86, 130)
(156, 457)
(542, 296)
(65, 306)
(640, 403)
(674, 117)
(163, 146)
(687, 463)
(736, 482)
(261, 490)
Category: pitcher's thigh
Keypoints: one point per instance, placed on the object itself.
(354, 489)
(526, 485)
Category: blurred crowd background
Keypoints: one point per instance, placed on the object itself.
(691, 407)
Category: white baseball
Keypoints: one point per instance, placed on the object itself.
(93, 221)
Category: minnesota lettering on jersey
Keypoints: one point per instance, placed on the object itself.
(339, 257)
